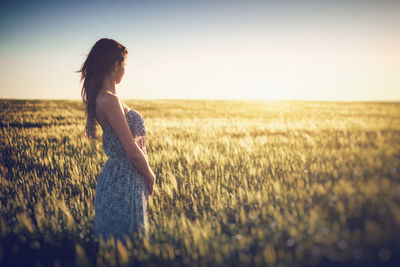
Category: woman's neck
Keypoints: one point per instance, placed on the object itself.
(109, 84)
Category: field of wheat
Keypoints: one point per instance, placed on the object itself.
(238, 183)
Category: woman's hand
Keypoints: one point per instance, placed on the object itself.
(150, 183)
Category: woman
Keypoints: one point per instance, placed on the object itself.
(126, 180)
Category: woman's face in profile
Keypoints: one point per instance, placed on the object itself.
(120, 71)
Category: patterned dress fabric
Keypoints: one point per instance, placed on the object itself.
(120, 199)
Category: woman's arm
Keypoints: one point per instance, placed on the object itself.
(115, 115)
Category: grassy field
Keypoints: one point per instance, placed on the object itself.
(238, 183)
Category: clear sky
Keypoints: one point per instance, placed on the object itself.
(306, 50)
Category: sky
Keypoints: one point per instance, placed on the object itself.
(263, 50)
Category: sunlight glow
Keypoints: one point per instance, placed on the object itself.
(225, 50)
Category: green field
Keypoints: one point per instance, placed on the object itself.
(238, 183)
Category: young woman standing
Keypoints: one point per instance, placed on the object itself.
(126, 180)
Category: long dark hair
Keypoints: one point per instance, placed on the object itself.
(99, 62)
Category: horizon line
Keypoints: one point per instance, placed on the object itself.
(218, 99)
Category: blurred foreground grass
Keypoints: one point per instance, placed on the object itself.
(239, 183)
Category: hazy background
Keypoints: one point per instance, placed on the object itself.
(308, 50)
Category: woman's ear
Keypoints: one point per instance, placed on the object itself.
(116, 66)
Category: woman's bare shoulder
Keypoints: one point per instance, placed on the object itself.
(104, 99)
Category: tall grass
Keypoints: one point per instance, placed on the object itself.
(238, 183)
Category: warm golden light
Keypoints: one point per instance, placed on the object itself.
(225, 51)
